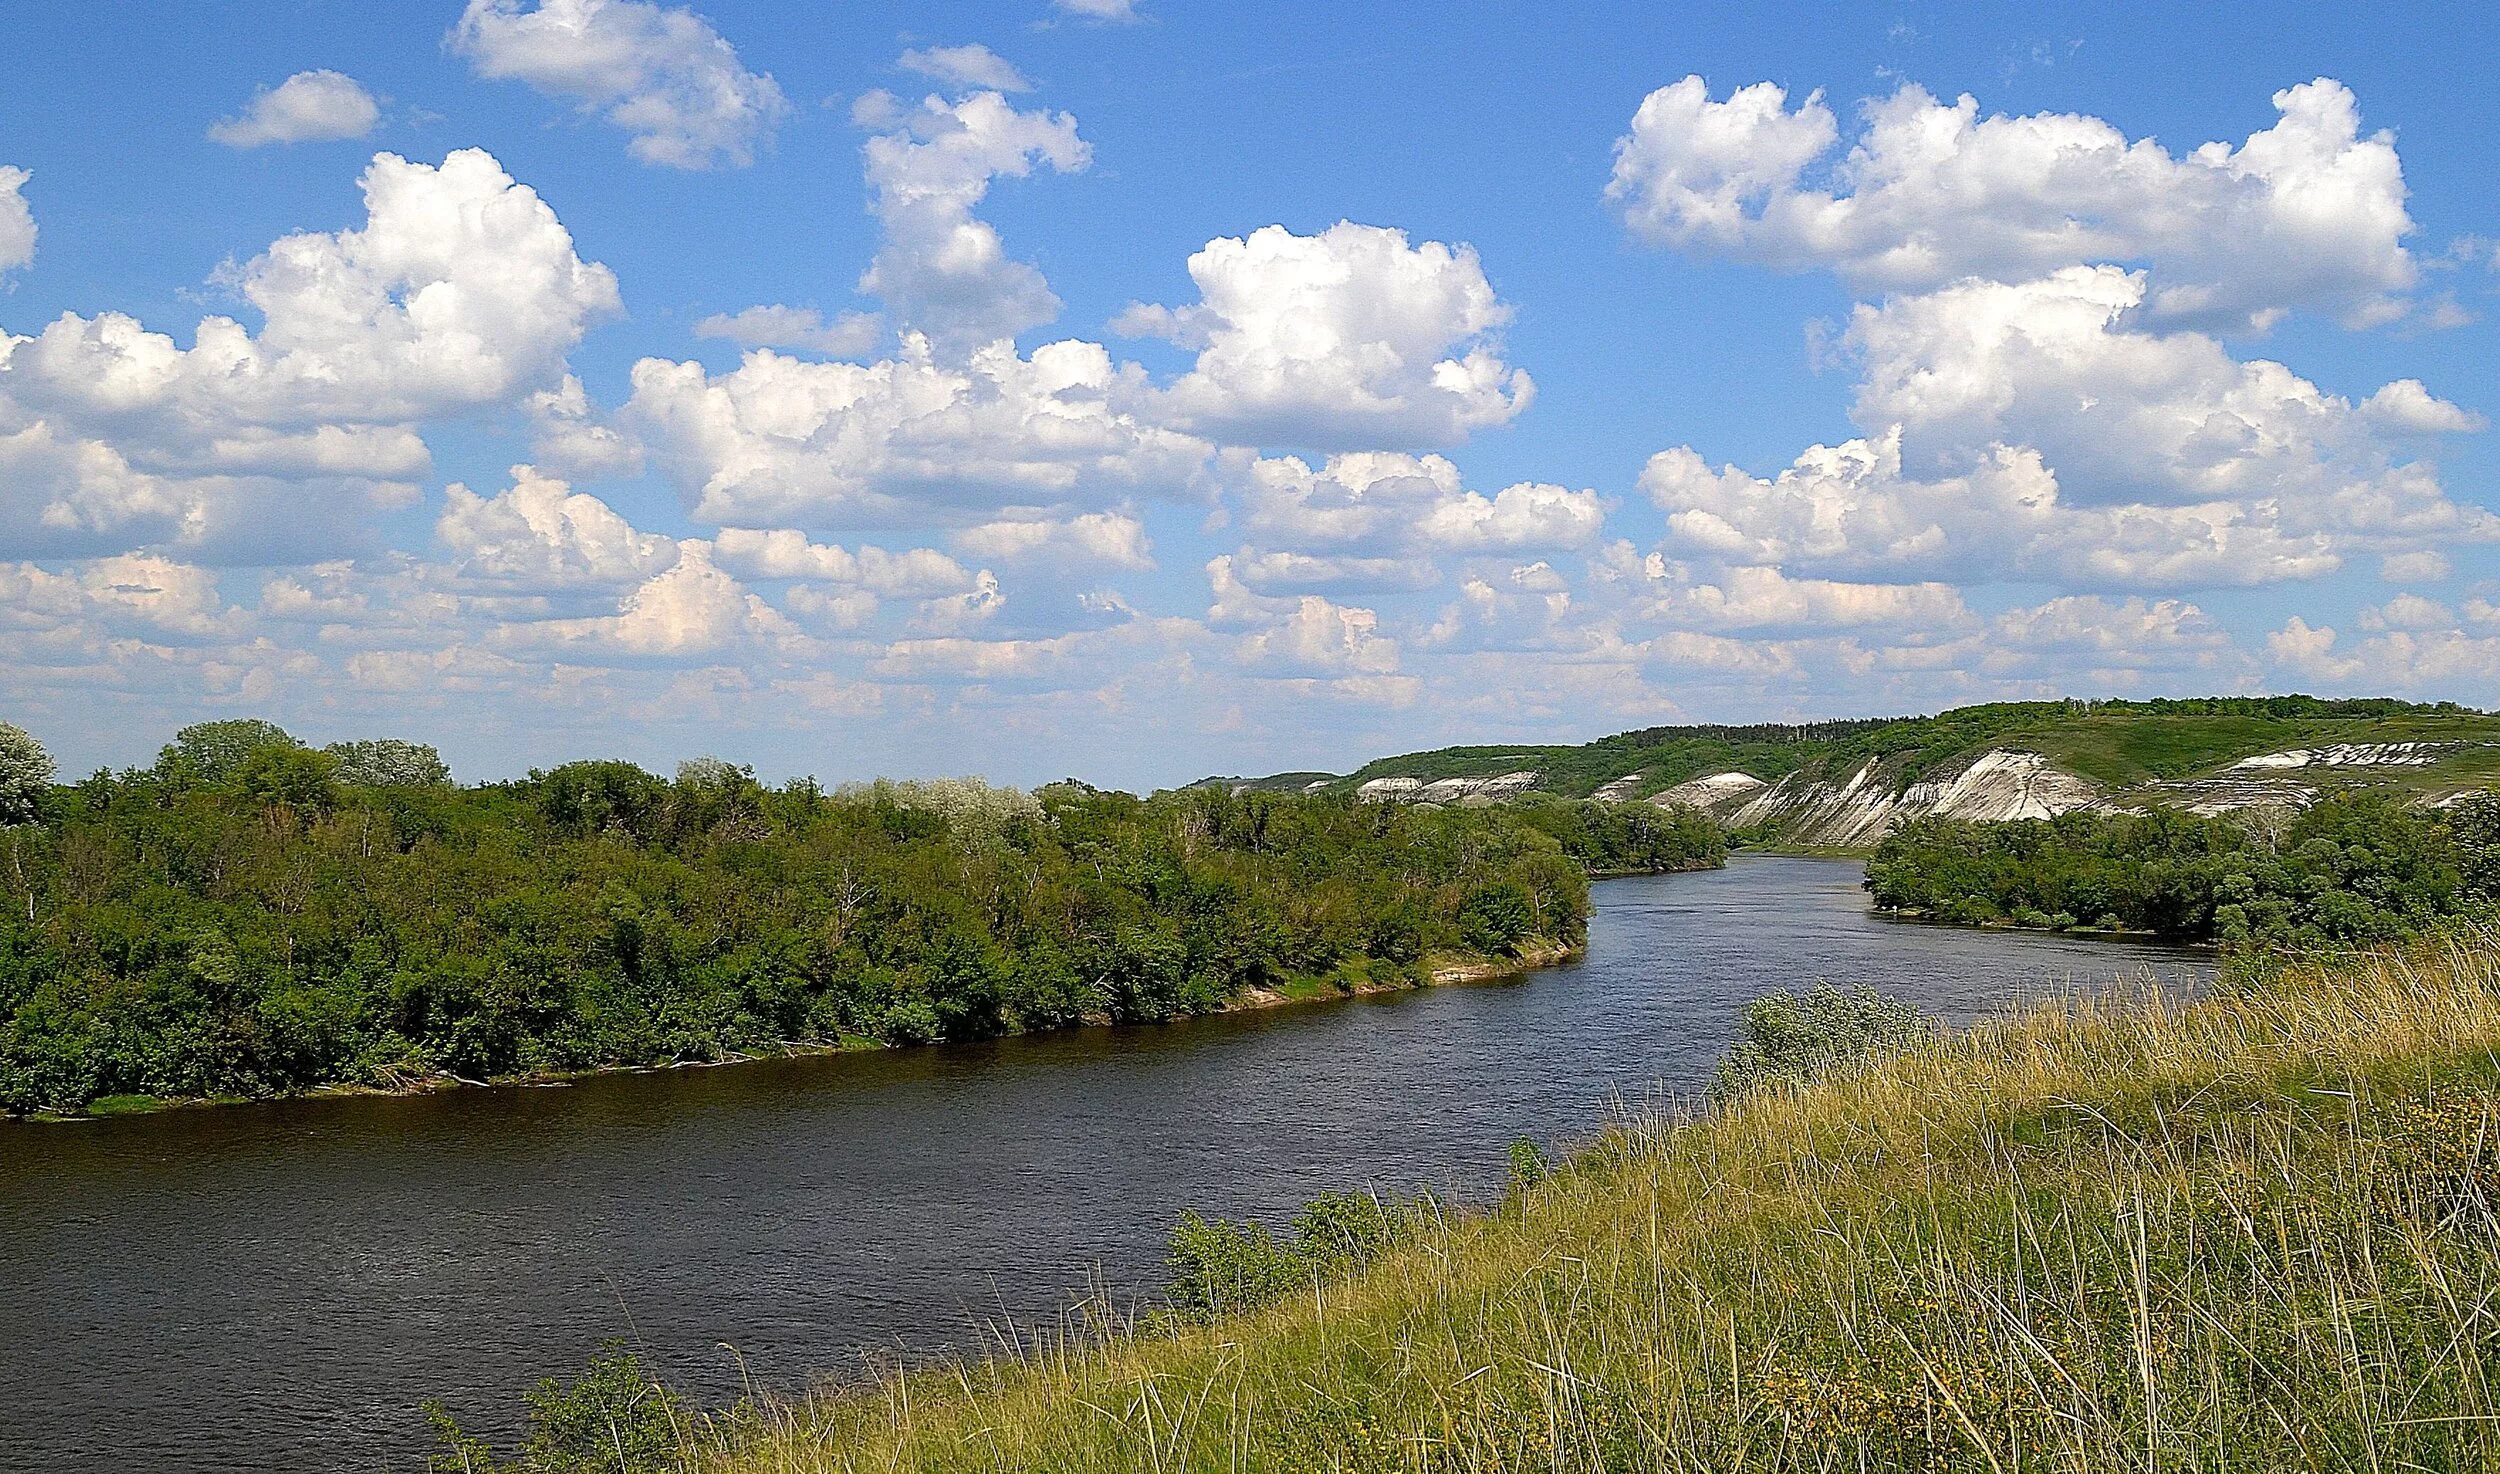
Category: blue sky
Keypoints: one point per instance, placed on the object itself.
(1484, 344)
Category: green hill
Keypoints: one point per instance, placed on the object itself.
(2116, 744)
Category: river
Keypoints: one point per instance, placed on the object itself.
(275, 1286)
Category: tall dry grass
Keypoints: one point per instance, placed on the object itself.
(2253, 1232)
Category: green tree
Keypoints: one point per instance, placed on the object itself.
(25, 776)
(210, 752)
(388, 762)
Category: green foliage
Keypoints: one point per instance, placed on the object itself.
(281, 926)
(25, 776)
(1220, 1267)
(2355, 867)
(613, 1419)
(1792, 1040)
(388, 762)
(1528, 1165)
(211, 752)
(1630, 837)
(2116, 742)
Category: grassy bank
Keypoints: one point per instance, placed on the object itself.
(2255, 1232)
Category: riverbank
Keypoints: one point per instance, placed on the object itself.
(812, 1212)
(1439, 971)
(2253, 1231)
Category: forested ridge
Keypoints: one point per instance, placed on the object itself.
(251, 916)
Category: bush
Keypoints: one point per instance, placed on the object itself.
(1221, 1268)
(613, 1419)
(1789, 1040)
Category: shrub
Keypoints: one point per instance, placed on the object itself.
(1220, 1267)
(613, 1419)
(1791, 1040)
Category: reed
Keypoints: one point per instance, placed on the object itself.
(2256, 1231)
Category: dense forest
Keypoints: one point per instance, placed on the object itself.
(2356, 867)
(251, 916)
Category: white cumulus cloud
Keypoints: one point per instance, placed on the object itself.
(973, 65)
(2308, 212)
(783, 442)
(305, 108)
(943, 271)
(1351, 338)
(542, 534)
(802, 328)
(17, 221)
(461, 291)
(661, 73)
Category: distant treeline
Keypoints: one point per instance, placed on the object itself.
(253, 917)
(2356, 867)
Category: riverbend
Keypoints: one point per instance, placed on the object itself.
(279, 1284)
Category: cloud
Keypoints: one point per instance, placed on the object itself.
(944, 272)
(1320, 638)
(802, 328)
(2125, 414)
(2426, 566)
(1765, 598)
(2405, 406)
(1101, 10)
(461, 291)
(784, 442)
(2135, 631)
(2307, 213)
(1849, 511)
(965, 66)
(305, 108)
(569, 437)
(1386, 500)
(17, 221)
(1349, 339)
(786, 553)
(662, 74)
(131, 594)
(541, 534)
(2309, 650)
(691, 609)
(1114, 539)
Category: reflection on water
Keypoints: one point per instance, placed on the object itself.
(277, 1285)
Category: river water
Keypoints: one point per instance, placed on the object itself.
(276, 1286)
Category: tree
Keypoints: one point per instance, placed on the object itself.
(211, 752)
(25, 776)
(388, 762)
(295, 778)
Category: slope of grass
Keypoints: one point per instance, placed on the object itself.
(2119, 743)
(2256, 1232)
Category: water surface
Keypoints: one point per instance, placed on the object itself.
(275, 1286)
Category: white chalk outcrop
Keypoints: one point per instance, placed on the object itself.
(1864, 807)
(1446, 790)
(2346, 755)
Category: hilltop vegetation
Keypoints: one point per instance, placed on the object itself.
(2116, 743)
(251, 916)
(2260, 1231)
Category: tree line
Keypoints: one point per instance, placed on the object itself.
(2358, 866)
(252, 916)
